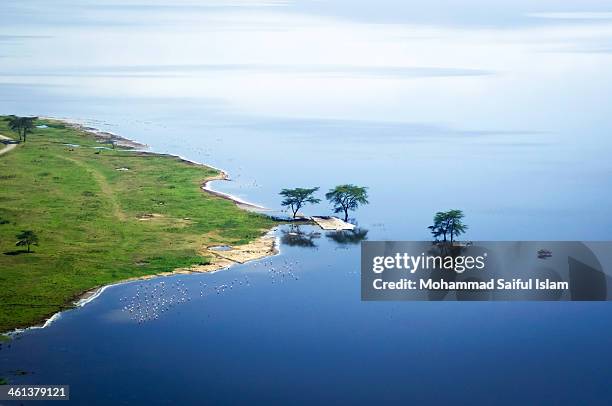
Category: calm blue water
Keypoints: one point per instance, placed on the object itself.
(286, 340)
(502, 111)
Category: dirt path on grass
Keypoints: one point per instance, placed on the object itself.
(105, 188)
(8, 147)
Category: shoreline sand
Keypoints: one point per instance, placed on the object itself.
(100, 135)
(265, 246)
(239, 202)
(138, 147)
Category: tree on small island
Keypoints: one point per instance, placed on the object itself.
(22, 126)
(27, 238)
(296, 198)
(347, 197)
(448, 223)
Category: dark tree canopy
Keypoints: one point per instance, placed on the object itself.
(448, 223)
(347, 197)
(296, 198)
(27, 238)
(14, 124)
(22, 125)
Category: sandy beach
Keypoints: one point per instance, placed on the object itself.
(103, 137)
(206, 186)
(265, 246)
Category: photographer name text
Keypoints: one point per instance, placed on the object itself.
(491, 284)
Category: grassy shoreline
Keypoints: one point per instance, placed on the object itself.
(102, 216)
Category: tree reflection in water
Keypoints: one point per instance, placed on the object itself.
(348, 236)
(295, 237)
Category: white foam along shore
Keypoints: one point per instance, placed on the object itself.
(91, 295)
(140, 147)
(100, 135)
(79, 303)
(86, 298)
(248, 205)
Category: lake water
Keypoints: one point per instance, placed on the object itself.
(502, 111)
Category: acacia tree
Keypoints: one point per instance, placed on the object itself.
(448, 223)
(27, 126)
(22, 126)
(15, 125)
(27, 238)
(455, 223)
(347, 197)
(296, 198)
(440, 226)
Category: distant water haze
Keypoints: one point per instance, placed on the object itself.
(500, 110)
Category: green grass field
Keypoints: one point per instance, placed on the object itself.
(87, 215)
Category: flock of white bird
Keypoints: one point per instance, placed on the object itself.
(151, 300)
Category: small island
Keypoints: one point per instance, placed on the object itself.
(81, 209)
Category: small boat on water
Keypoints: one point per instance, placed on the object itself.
(542, 254)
